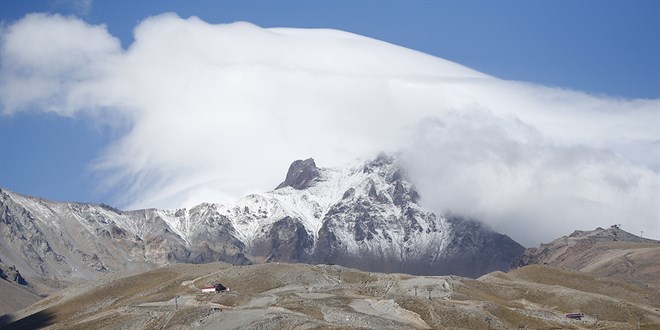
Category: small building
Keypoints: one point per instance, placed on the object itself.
(215, 288)
(575, 316)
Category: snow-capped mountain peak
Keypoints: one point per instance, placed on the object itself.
(362, 215)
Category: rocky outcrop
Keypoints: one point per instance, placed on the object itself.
(301, 174)
(11, 274)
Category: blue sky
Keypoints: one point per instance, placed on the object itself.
(599, 47)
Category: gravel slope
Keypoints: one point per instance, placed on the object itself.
(287, 296)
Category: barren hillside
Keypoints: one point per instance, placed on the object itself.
(285, 296)
(612, 253)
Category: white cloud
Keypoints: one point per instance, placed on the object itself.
(53, 63)
(217, 111)
(506, 173)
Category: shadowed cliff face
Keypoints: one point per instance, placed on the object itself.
(11, 274)
(38, 320)
(287, 240)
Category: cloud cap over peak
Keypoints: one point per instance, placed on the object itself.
(215, 111)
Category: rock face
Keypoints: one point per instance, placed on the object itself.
(378, 225)
(301, 174)
(365, 216)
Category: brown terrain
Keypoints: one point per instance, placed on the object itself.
(612, 253)
(288, 296)
(15, 297)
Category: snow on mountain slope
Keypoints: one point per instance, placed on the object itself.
(365, 216)
(308, 205)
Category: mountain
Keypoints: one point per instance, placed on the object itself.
(365, 216)
(610, 252)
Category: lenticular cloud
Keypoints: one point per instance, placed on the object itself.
(215, 111)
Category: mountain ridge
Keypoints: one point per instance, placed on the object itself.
(365, 216)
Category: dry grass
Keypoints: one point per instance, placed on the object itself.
(290, 295)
